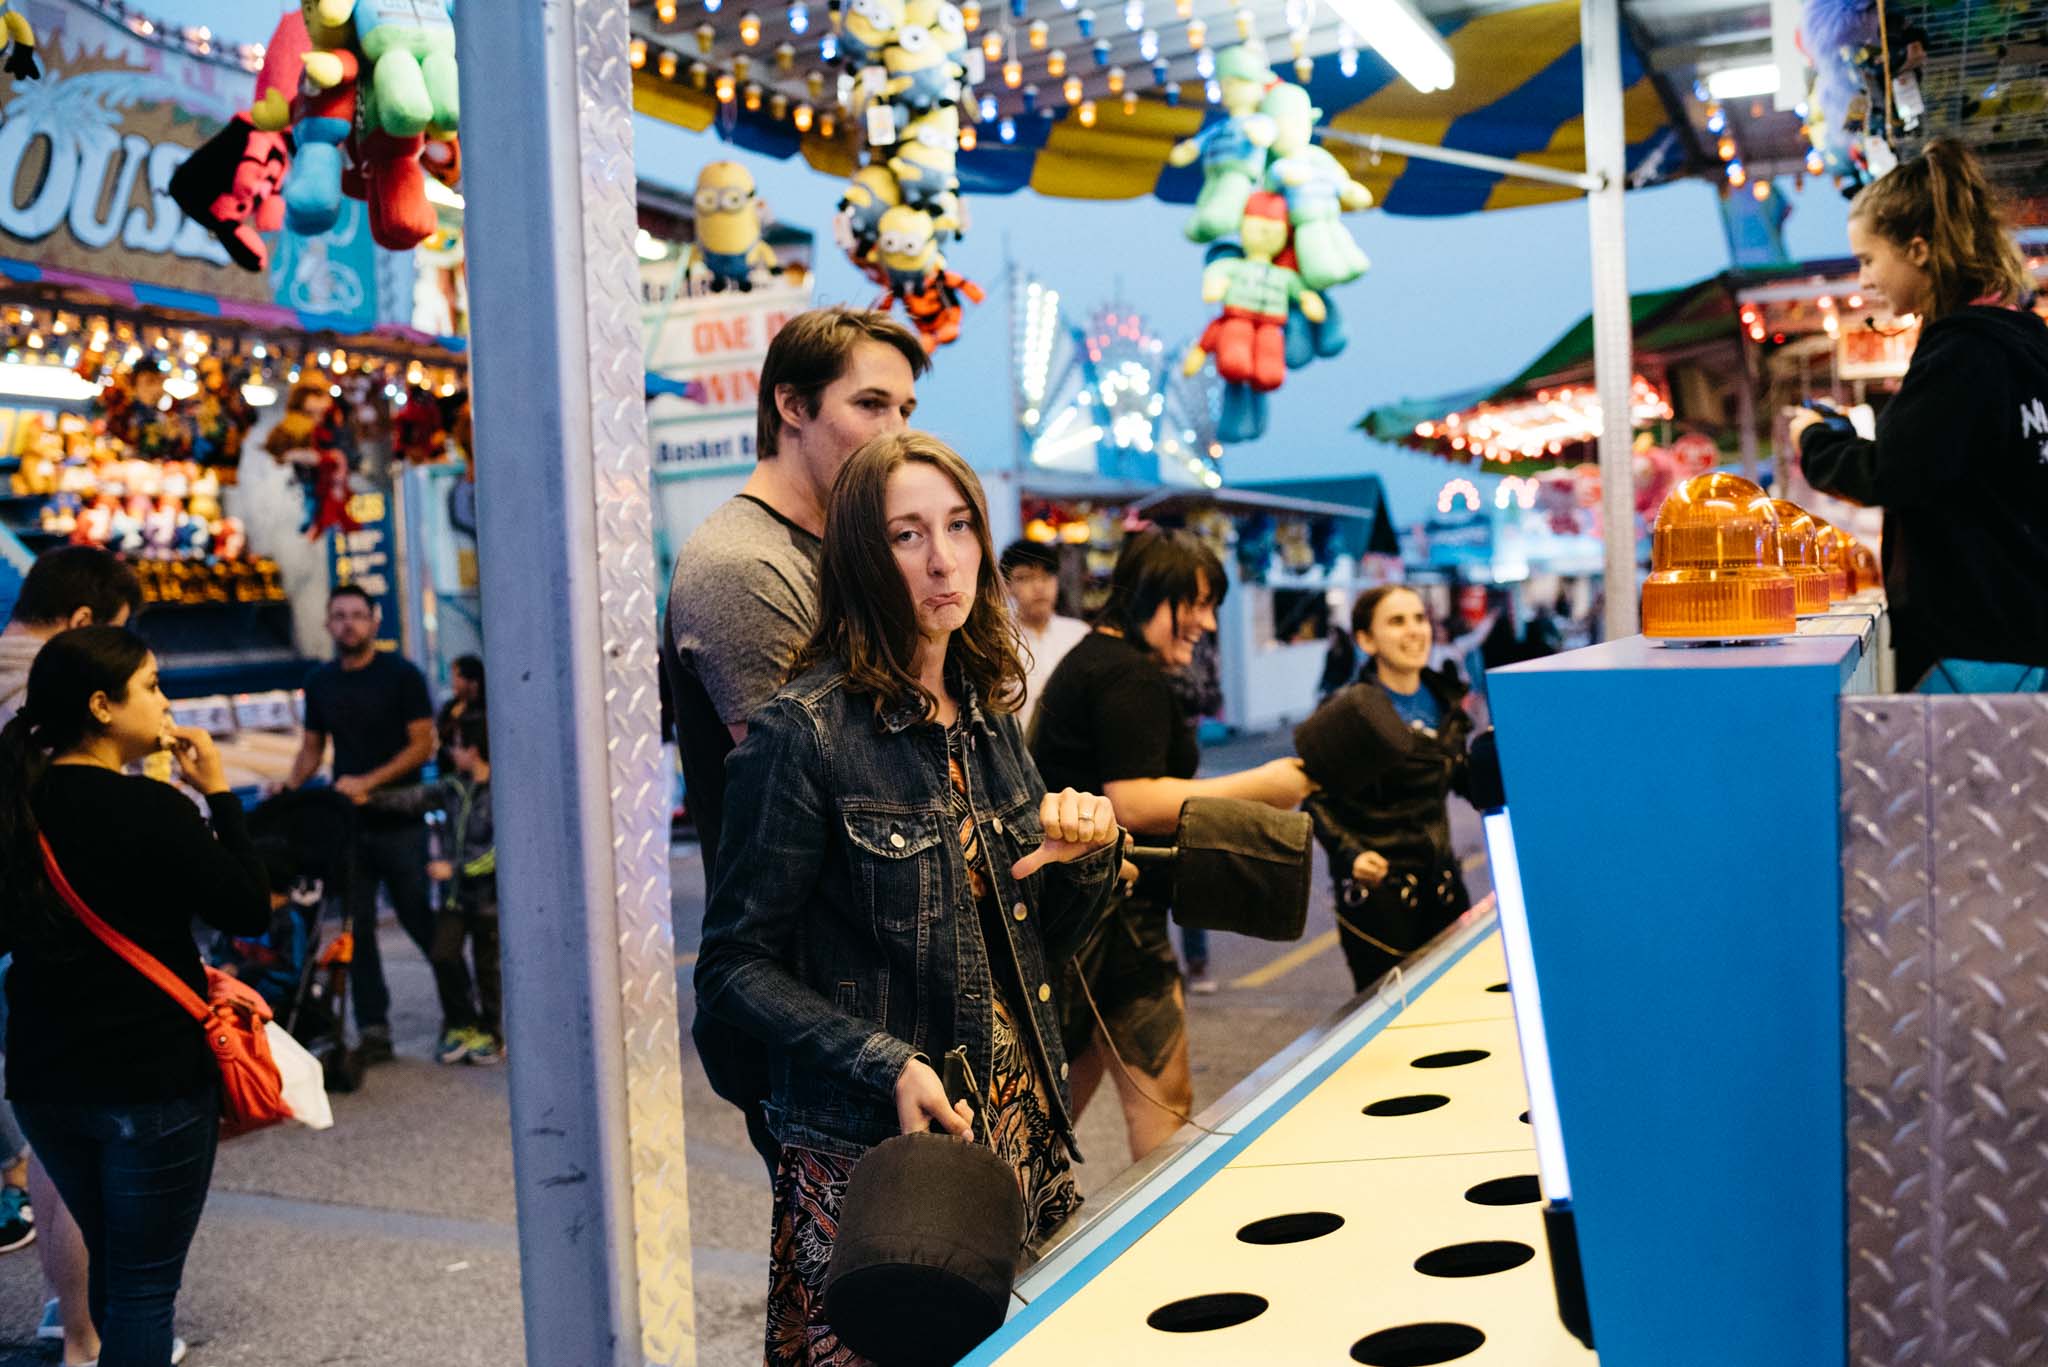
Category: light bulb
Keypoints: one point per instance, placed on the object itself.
(1072, 89)
(1116, 81)
(750, 28)
(1056, 63)
(636, 53)
(1036, 34)
(804, 115)
(1198, 33)
(1087, 113)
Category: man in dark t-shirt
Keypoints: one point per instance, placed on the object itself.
(374, 707)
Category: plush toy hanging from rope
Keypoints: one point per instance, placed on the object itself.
(729, 247)
(1266, 182)
(902, 208)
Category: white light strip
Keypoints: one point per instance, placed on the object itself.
(1410, 43)
(51, 382)
(1528, 1004)
(1743, 82)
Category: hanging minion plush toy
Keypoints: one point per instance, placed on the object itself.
(21, 46)
(923, 62)
(924, 161)
(865, 28)
(907, 249)
(728, 244)
(870, 194)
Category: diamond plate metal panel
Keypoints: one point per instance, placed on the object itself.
(1946, 881)
(1887, 946)
(639, 780)
(1988, 765)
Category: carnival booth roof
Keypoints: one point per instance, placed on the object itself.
(1518, 94)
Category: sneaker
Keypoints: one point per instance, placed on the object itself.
(373, 1045)
(52, 1325)
(1200, 982)
(178, 1350)
(455, 1045)
(17, 1221)
(486, 1050)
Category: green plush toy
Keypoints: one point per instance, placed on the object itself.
(1233, 149)
(410, 47)
(1318, 190)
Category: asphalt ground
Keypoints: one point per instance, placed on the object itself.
(392, 1238)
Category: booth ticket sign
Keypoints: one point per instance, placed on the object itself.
(717, 342)
(87, 152)
(363, 558)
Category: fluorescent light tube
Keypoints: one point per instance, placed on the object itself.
(1410, 43)
(1743, 82)
(51, 382)
(1528, 1004)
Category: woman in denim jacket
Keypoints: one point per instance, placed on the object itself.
(894, 882)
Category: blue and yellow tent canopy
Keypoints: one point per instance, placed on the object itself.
(1518, 95)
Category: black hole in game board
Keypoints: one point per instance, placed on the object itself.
(1451, 1058)
(1297, 1228)
(1506, 1191)
(1523, 1117)
(1200, 1314)
(1407, 1105)
(1479, 1259)
(1417, 1345)
(1498, 987)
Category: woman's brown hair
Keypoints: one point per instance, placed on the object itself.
(865, 615)
(1942, 198)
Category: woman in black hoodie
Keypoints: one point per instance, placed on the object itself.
(1389, 838)
(1960, 464)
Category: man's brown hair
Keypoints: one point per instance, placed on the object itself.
(811, 351)
(866, 618)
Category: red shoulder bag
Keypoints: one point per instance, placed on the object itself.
(251, 1089)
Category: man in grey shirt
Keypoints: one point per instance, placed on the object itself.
(745, 593)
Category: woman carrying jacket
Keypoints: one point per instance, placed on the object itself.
(1389, 839)
(112, 1081)
(1960, 463)
(894, 882)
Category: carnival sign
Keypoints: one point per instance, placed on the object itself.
(87, 152)
(714, 344)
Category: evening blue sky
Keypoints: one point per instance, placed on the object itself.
(1450, 303)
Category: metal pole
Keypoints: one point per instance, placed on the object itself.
(1376, 143)
(1745, 413)
(565, 548)
(1613, 362)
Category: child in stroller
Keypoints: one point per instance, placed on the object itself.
(305, 839)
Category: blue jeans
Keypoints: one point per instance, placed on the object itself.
(12, 1141)
(1194, 946)
(396, 858)
(135, 1179)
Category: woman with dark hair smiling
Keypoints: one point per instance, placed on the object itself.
(1111, 720)
(895, 883)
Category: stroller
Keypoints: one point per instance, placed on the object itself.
(305, 838)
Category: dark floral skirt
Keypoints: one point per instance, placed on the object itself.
(810, 1185)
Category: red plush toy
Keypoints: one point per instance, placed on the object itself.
(330, 484)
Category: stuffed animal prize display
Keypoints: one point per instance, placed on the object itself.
(356, 99)
(1265, 180)
(902, 208)
(729, 248)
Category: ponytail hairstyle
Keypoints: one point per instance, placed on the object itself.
(1943, 198)
(55, 717)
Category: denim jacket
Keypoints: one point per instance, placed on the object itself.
(841, 930)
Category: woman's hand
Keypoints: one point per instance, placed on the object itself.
(1802, 419)
(1369, 869)
(1290, 782)
(921, 1103)
(198, 759)
(1076, 824)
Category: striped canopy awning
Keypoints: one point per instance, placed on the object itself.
(1518, 95)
